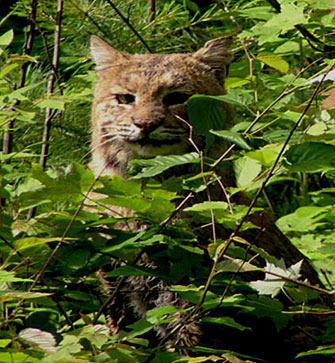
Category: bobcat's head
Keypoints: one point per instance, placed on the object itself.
(140, 101)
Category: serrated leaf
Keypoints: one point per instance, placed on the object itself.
(272, 285)
(274, 61)
(310, 157)
(233, 137)
(39, 339)
(157, 165)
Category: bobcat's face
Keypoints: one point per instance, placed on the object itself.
(139, 107)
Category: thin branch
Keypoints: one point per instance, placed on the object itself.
(51, 83)
(126, 21)
(151, 10)
(253, 202)
(27, 47)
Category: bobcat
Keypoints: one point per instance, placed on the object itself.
(138, 112)
(138, 98)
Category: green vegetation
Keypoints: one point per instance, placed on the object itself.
(281, 88)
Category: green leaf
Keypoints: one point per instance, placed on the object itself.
(8, 68)
(319, 4)
(304, 219)
(68, 187)
(130, 270)
(54, 103)
(324, 350)
(95, 334)
(225, 320)
(205, 113)
(17, 356)
(233, 137)
(266, 155)
(237, 97)
(310, 157)
(18, 295)
(246, 170)
(116, 185)
(265, 306)
(157, 165)
(8, 276)
(276, 24)
(207, 206)
(6, 38)
(29, 242)
(274, 61)
(233, 82)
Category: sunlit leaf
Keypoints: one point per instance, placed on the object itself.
(159, 164)
(6, 38)
(38, 339)
(233, 137)
(273, 60)
(272, 285)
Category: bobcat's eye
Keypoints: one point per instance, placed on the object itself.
(125, 99)
(175, 98)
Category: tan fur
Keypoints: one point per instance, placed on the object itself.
(148, 126)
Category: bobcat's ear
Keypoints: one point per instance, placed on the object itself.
(103, 53)
(215, 53)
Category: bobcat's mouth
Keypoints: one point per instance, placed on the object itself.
(147, 140)
(157, 137)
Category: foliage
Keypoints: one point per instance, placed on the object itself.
(280, 86)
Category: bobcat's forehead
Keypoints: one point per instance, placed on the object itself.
(157, 74)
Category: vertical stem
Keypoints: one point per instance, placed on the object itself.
(49, 113)
(27, 47)
(52, 78)
(151, 10)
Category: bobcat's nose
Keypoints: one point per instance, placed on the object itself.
(146, 126)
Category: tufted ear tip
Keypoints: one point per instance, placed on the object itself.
(215, 52)
(103, 53)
